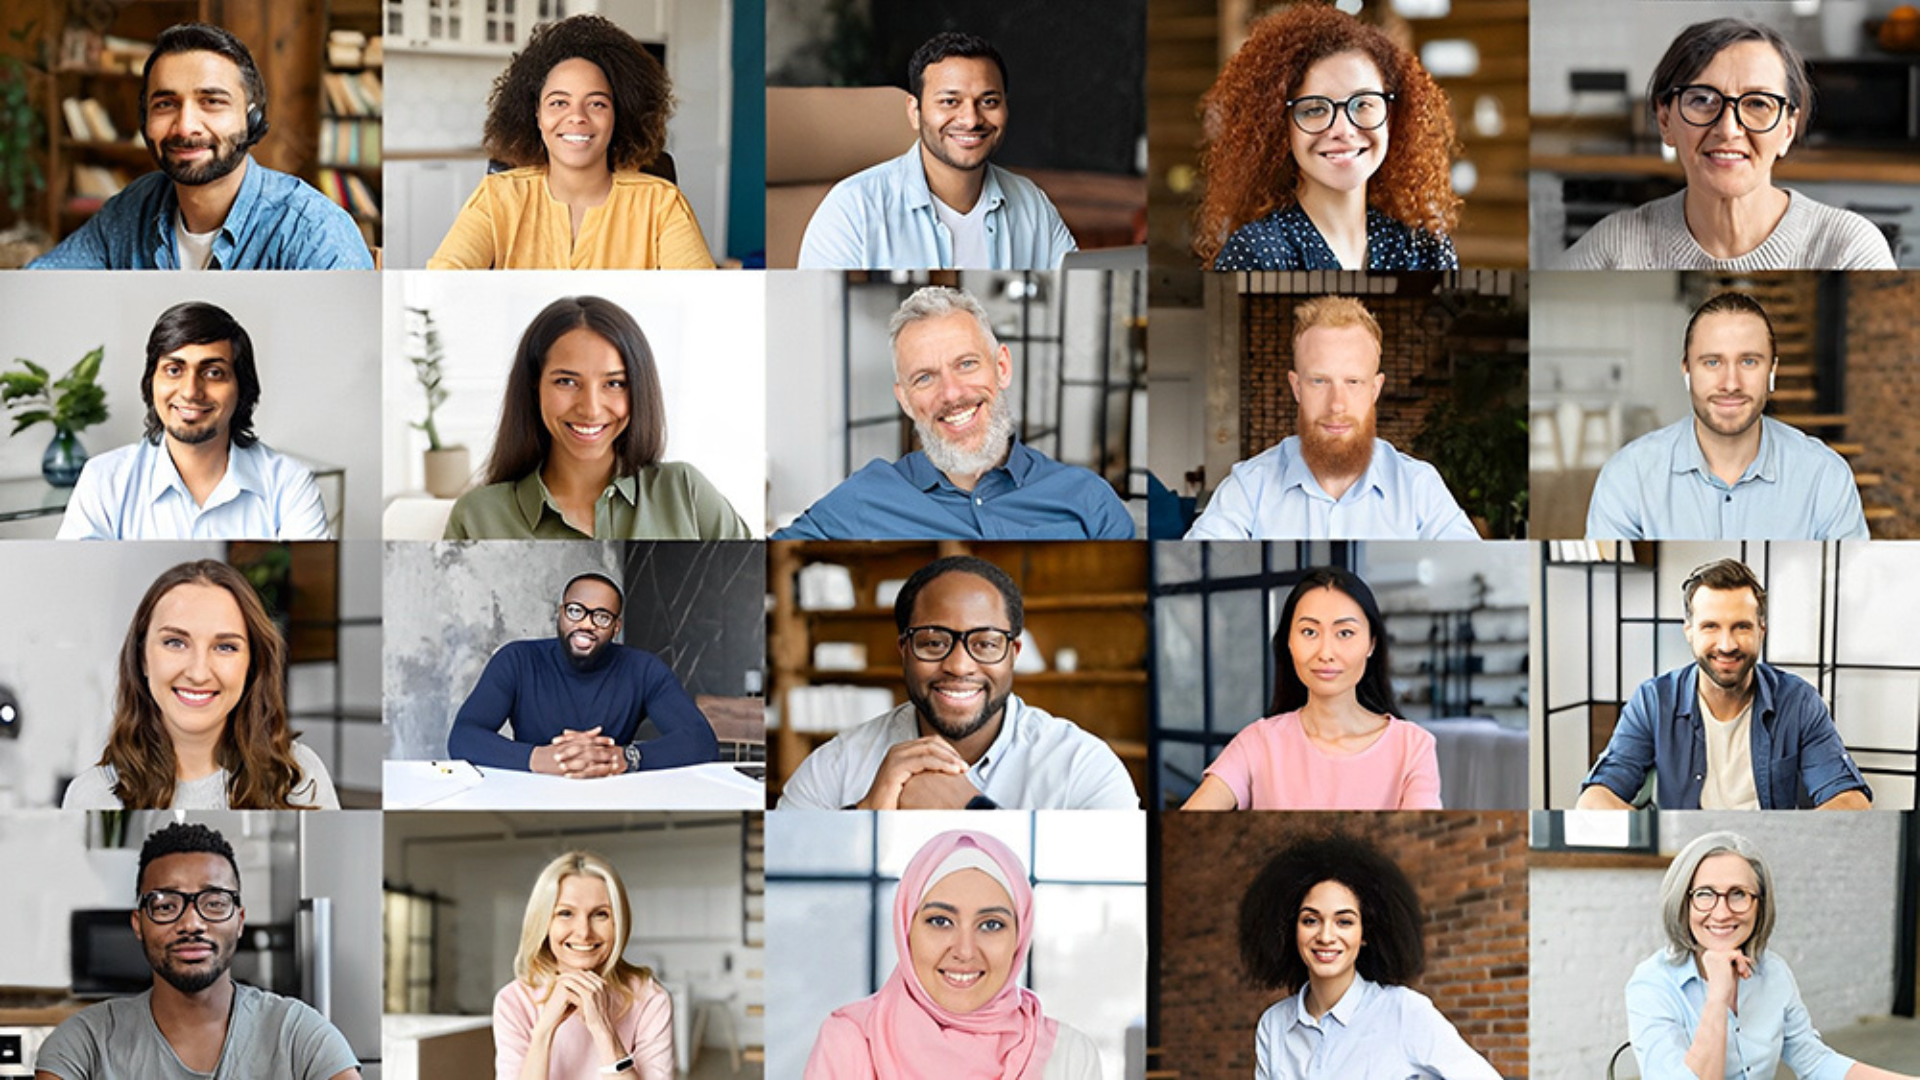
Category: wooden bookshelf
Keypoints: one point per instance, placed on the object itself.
(352, 107)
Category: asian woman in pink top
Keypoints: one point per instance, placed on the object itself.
(1332, 741)
(576, 1010)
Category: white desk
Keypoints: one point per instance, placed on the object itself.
(416, 785)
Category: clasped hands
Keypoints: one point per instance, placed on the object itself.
(579, 755)
(923, 774)
(582, 992)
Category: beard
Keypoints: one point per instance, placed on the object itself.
(593, 659)
(1338, 455)
(1734, 680)
(955, 460)
(191, 979)
(193, 436)
(921, 694)
(227, 155)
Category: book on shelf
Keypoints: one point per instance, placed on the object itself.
(87, 120)
(348, 191)
(345, 141)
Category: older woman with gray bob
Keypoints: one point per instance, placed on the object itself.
(1715, 1002)
(1731, 97)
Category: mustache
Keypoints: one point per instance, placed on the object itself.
(188, 144)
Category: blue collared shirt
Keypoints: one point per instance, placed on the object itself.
(277, 223)
(136, 493)
(1374, 1032)
(1659, 487)
(1273, 496)
(1798, 758)
(882, 218)
(1031, 497)
(1664, 1003)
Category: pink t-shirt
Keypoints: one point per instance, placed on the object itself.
(1270, 765)
(645, 1029)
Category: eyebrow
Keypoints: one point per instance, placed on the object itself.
(941, 905)
(166, 629)
(1305, 909)
(1340, 619)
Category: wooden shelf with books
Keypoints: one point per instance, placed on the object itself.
(352, 101)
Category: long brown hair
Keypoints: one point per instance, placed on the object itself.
(256, 745)
(520, 445)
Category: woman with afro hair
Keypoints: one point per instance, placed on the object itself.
(1328, 148)
(577, 114)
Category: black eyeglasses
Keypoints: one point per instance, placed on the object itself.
(1739, 900)
(1315, 114)
(602, 618)
(987, 644)
(167, 905)
(1702, 106)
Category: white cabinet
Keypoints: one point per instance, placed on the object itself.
(423, 198)
(477, 27)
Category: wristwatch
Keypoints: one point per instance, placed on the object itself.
(633, 765)
(981, 802)
(624, 1065)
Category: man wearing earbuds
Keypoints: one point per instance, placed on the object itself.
(1726, 472)
(210, 206)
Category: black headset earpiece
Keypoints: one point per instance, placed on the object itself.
(256, 124)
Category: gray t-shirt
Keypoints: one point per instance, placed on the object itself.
(269, 1038)
(93, 789)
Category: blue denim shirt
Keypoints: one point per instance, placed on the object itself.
(1798, 758)
(277, 223)
(883, 219)
(1031, 497)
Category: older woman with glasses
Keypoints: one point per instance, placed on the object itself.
(1715, 1002)
(1730, 97)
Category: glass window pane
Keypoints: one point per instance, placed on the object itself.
(1233, 559)
(1178, 664)
(1089, 960)
(1181, 765)
(1239, 647)
(801, 842)
(817, 960)
(1090, 845)
(1176, 561)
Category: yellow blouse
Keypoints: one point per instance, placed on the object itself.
(512, 223)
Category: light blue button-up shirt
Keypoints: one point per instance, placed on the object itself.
(136, 493)
(1659, 487)
(1664, 1003)
(1274, 496)
(277, 222)
(1373, 1032)
(882, 219)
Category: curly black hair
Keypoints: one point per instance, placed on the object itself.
(642, 93)
(1395, 951)
(184, 838)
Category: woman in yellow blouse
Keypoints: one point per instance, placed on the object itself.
(579, 112)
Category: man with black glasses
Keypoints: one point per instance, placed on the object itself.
(963, 739)
(195, 1021)
(577, 700)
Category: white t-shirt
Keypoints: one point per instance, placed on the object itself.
(195, 250)
(1729, 782)
(969, 232)
(93, 789)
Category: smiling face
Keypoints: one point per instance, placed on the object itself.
(581, 933)
(1328, 932)
(1726, 634)
(948, 378)
(963, 940)
(196, 658)
(196, 120)
(1725, 160)
(190, 953)
(959, 696)
(1330, 642)
(1720, 928)
(961, 113)
(576, 115)
(1336, 379)
(1728, 364)
(584, 397)
(1343, 157)
(195, 392)
(585, 643)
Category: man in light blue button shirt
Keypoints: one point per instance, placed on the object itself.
(941, 205)
(1334, 480)
(199, 473)
(1727, 472)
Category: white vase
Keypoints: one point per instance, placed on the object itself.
(448, 472)
(1843, 27)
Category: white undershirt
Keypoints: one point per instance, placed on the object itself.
(1729, 782)
(195, 250)
(969, 232)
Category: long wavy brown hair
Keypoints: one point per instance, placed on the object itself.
(1247, 158)
(256, 746)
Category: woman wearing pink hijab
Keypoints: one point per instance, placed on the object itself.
(953, 1007)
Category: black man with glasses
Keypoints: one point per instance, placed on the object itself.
(577, 700)
(196, 1021)
(1731, 97)
(964, 739)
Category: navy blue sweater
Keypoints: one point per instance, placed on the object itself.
(532, 684)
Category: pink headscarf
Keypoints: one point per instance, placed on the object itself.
(901, 1032)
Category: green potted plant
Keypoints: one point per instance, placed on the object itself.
(72, 403)
(447, 467)
(21, 135)
(1477, 438)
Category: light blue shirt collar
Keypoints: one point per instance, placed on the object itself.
(1688, 457)
(163, 475)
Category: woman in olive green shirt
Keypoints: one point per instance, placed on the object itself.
(577, 456)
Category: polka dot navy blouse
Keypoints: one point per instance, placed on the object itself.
(1287, 240)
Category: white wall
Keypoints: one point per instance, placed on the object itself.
(805, 433)
(314, 345)
(1835, 878)
(708, 338)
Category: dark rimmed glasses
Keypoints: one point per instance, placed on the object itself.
(1739, 901)
(601, 617)
(986, 644)
(1314, 114)
(168, 905)
(1758, 111)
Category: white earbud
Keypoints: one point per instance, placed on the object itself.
(1687, 377)
(1770, 377)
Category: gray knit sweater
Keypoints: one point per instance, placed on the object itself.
(1810, 236)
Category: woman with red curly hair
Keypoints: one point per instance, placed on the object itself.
(1347, 170)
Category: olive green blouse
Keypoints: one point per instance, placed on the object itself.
(668, 501)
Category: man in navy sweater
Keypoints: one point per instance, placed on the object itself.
(577, 700)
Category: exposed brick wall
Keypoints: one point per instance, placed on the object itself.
(1470, 870)
(1883, 383)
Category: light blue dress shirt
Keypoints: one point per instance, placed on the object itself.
(1664, 1002)
(1659, 487)
(136, 493)
(1373, 1032)
(1274, 496)
(277, 222)
(882, 218)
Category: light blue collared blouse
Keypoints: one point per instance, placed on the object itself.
(1664, 1001)
(136, 493)
(1274, 496)
(1373, 1032)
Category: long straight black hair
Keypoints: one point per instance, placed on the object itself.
(1376, 688)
